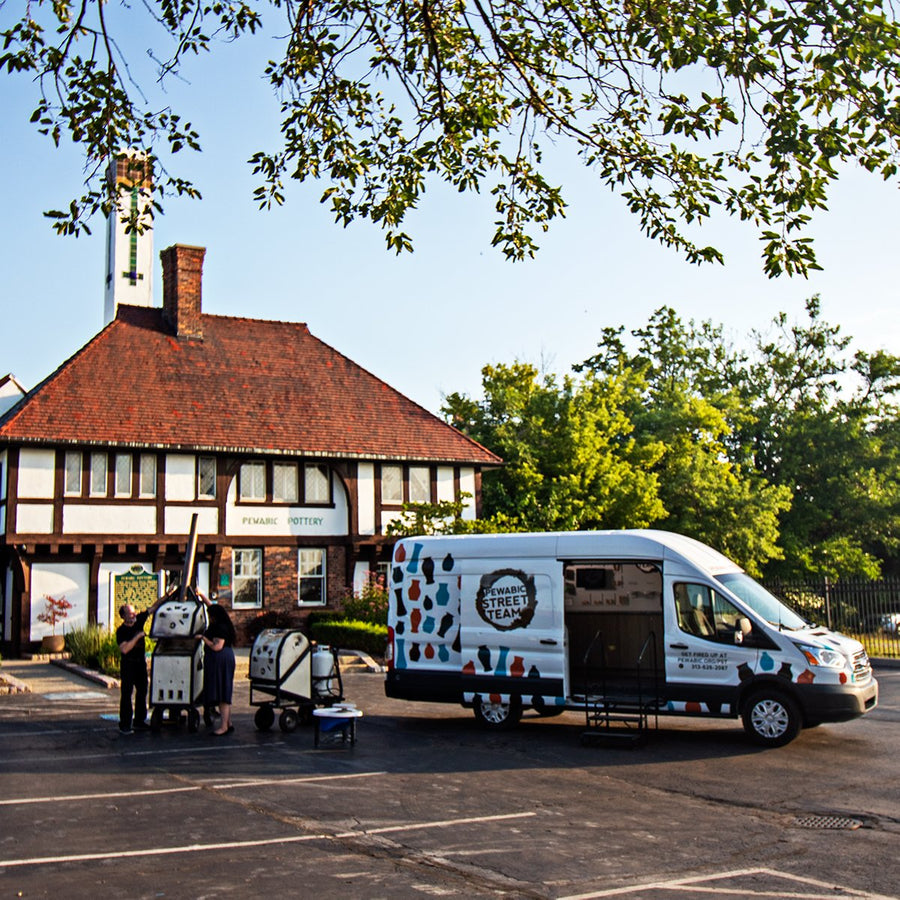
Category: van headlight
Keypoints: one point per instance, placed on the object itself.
(820, 656)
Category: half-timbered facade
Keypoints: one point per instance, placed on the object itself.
(293, 458)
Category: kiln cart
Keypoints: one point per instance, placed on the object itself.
(291, 674)
(176, 668)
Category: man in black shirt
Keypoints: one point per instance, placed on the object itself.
(133, 668)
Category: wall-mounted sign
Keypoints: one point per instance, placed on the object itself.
(286, 521)
(137, 586)
(506, 599)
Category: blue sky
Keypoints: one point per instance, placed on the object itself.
(426, 323)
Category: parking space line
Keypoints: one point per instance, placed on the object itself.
(261, 842)
(695, 884)
(300, 779)
(65, 798)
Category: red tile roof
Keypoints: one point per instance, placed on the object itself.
(248, 386)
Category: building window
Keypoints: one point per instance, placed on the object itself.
(73, 474)
(98, 474)
(419, 484)
(311, 578)
(148, 475)
(392, 484)
(247, 579)
(284, 483)
(253, 482)
(206, 478)
(123, 475)
(317, 484)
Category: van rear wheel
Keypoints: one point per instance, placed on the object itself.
(771, 718)
(496, 714)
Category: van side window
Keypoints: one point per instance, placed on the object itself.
(705, 613)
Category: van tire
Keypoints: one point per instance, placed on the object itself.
(771, 718)
(498, 716)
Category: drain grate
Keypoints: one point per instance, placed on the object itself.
(839, 823)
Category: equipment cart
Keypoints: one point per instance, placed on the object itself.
(176, 668)
(290, 674)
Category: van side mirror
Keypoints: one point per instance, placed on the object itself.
(743, 629)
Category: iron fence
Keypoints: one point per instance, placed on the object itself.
(866, 610)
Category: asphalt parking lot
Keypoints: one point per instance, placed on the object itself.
(427, 804)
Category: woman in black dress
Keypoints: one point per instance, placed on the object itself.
(218, 663)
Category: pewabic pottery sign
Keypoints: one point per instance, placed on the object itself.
(275, 521)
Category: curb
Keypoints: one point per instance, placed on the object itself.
(106, 681)
(9, 684)
(367, 662)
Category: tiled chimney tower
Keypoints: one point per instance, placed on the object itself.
(182, 289)
(129, 255)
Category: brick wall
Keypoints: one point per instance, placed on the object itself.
(280, 589)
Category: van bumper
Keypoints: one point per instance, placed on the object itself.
(838, 702)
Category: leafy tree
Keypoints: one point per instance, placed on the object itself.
(825, 426)
(571, 461)
(684, 406)
(749, 107)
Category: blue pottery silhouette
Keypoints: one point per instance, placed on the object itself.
(413, 566)
(501, 661)
(443, 594)
(447, 564)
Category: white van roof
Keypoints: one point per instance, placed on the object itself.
(638, 544)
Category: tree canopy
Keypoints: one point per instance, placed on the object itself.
(683, 109)
(785, 455)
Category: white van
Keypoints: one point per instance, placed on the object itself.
(592, 620)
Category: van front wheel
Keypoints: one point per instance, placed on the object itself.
(771, 718)
(495, 714)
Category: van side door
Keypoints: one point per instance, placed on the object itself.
(512, 636)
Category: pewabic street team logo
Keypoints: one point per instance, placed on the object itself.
(506, 599)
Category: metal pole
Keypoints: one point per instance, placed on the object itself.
(190, 555)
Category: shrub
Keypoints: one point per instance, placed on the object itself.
(94, 648)
(324, 615)
(351, 635)
(269, 619)
(370, 604)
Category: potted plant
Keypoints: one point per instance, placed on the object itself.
(57, 610)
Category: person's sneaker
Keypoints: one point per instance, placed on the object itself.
(126, 731)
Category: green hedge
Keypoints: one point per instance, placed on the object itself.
(348, 634)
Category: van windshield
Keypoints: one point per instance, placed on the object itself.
(761, 601)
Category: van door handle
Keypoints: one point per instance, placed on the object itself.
(548, 641)
(678, 646)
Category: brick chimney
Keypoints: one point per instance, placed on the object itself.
(182, 289)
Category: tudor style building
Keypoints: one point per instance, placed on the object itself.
(293, 457)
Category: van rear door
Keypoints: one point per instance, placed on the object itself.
(512, 635)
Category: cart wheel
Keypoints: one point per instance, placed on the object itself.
(156, 717)
(193, 720)
(264, 718)
(287, 721)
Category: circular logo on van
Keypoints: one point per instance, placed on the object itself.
(506, 599)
